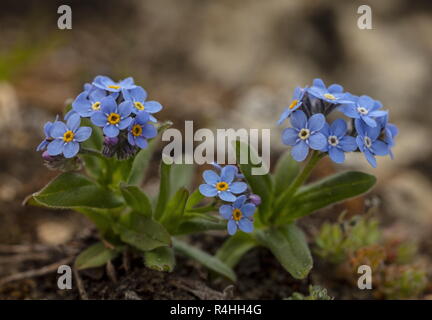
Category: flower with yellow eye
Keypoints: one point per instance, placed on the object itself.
(112, 118)
(138, 97)
(333, 94)
(108, 84)
(296, 102)
(140, 130)
(88, 102)
(66, 137)
(239, 215)
(223, 185)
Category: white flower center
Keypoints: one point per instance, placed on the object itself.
(304, 134)
(367, 142)
(333, 141)
(362, 111)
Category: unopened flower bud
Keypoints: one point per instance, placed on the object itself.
(255, 199)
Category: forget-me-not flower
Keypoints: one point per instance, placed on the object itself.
(106, 83)
(337, 141)
(222, 185)
(368, 142)
(297, 101)
(48, 138)
(304, 134)
(239, 215)
(67, 137)
(88, 102)
(332, 94)
(138, 97)
(112, 118)
(139, 130)
(365, 108)
(388, 132)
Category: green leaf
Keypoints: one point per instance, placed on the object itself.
(198, 222)
(260, 184)
(160, 259)
(94, 165)
(194, 198)
(205, 259)
(100, 217)
(95, 256)
(164, 189)
(289, 246)
(174, 210)
(181, 176)
(327, 191)
(234, 248)
(136, 199)
(71, 190)
(286, 170)
(142, 232)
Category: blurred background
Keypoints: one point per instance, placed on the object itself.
(222, 64)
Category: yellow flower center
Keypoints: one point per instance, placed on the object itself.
(136, 130)
(114, 118)
(293, 104)
(114, 86)
(96, 106)
(139, 105)
(237, 214)
(222, 186)
(68, 136)
(329, 96)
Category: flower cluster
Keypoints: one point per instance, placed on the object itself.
(120, 109)
(368, 131)
(226, 183)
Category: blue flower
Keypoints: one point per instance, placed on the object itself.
(222, 185)
(140, 130)
(67, 137)
(112, 118)
(48, 138)
(364, 108)
(333, 94)
(218, 167)
(305, 134)
(138, 97)
(88, 102)
(239, 215)
(368, 142)
(388, 133)
(337, 141)
(297, 101)
(106, 83)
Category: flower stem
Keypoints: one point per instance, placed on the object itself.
(91, 152)
(297, 183)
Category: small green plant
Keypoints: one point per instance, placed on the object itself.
(315, 293)
(335, 241)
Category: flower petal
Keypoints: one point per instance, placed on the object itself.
(58, 129)
(55, 147)
(316, 122)
(239, 202)
(73, 122)
(111, 131)
(365, 102)
(99, 119)
(339, 128)
(207, 190)
(211, 177)
(318, 83)
(123, 124)
(227, 196)
(232, 227)
(142, 117)
(300, 151)
(228, 173)
(238, 187)
(317, 141)
(370, 158)
(349, 110)
(337, 155)
(149, 131)
(83, 134)
(70, 149)
(245, 225)
(81, 105)
(152, 106)
(248, 210)
(141, 142)
(125, 108)
(298, 119)
(138, 94)
(108, 105)
(225, 211)
(369, 121)
(348, 143)
(335, 88)
(380, 148)
(289, 136)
